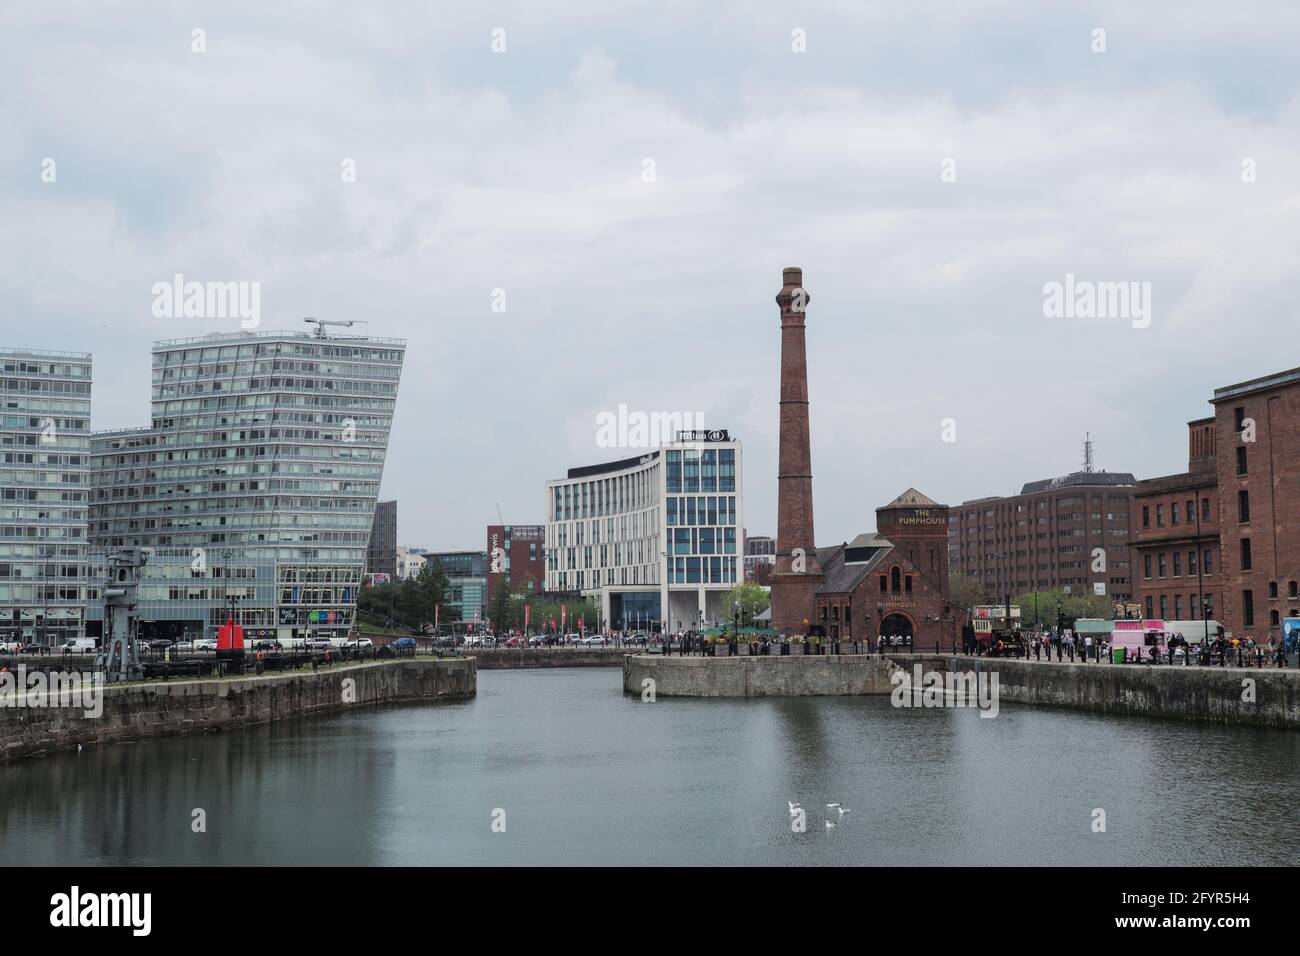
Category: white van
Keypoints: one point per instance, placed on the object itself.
(79, 645)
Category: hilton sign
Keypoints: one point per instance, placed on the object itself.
(712, 435)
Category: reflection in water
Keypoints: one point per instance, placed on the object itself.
(588, 775)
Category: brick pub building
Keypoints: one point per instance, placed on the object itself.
(893, 582)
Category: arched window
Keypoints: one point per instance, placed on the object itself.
(895, 577)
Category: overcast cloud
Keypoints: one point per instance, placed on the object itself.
(523, 171)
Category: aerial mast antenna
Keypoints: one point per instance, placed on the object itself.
(1087, 452)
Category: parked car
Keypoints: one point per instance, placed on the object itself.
(159, 644)
(266, 644)
(359, 642)
(515, 642)
(319, 643)
(79, 645)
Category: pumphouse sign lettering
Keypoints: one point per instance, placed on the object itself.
(923, 516)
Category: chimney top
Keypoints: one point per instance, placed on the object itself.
(793, 275)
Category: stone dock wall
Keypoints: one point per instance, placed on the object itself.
(1259, 696)
(498, 658)
(163, 708)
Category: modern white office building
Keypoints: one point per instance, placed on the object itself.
(655, 538)
(256, 481)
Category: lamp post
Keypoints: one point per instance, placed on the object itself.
(1200, 578)
(1205, 616)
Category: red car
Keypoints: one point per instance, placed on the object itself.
(514, 642)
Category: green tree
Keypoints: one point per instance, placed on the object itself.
(749, 599)
(966, 591)
(1072, 607)
(543, 609)
(501, 610)
(433, 592)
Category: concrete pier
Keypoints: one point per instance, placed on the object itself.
(1267, 697)
(164, 708)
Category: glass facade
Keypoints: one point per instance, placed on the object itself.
(648, 536)
(44, 455)
(263, 465)
(467, 581)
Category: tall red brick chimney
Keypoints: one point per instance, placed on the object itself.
(797, 574)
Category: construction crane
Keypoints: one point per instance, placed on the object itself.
(321, 323)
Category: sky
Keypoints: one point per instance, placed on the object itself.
(568, 207)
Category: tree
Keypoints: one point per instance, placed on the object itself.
(1073, 607)
(542, 609)
(411, 603)
(749, 599)
(433, 592)
(966, 591)
(501, 610)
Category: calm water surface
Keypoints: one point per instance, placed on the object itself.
(587, 775)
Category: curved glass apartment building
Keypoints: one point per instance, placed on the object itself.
(654, 538)
(257, 480)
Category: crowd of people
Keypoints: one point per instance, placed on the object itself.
(1219, 651)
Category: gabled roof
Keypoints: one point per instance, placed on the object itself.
(912, 498)
(841, 576)
(870, 539)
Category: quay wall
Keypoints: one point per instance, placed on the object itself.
(146, 709)
(498, 658)
(1259, 696)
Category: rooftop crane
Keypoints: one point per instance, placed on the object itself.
(321, 323)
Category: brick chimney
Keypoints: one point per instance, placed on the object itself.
(1200, 445)
(797, 575)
